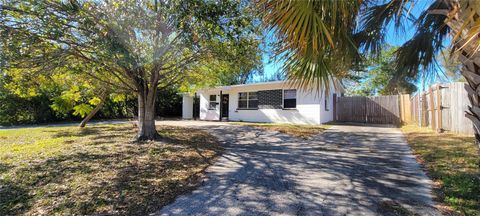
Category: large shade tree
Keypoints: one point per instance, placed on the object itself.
(320, 40)
(136, 46)
(377, 76)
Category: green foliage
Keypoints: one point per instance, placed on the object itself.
(451, 66)
(380, 77)
(169, 103)
(82, 110)
(313, 37)
(321, 40)
(125, 47)
(15, 109)
(66, 101)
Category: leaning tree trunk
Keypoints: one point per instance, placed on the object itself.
(146, 115)
(462, 19)
(103, 97)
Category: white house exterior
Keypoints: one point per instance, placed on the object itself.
(277, 102)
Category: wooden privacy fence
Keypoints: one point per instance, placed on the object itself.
(392, 109)
(442, 107)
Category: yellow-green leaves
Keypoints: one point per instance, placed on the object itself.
(67, 100)
(118, 97)
(82, 110)
(94, 101)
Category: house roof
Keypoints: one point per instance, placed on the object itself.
(339, 85)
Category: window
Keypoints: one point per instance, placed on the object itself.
(247, 100)
(212, 102)
(289, 98)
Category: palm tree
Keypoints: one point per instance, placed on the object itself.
(320, 40)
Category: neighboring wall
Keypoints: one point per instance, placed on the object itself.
(310, 106)
(205, 113)
(442, 107)
(187, 106)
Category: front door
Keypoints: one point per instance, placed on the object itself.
(224, 105)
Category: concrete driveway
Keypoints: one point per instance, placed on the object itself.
(348, 170)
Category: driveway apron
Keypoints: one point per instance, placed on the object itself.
(347, 170)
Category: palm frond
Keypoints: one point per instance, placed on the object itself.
(311, 33)
(421, 50)
(466, 38)
(374, 20)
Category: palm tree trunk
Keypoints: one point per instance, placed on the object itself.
(468, 56)
(471, 72)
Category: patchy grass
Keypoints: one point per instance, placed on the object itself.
(98, 170)
(301, 131)
(394, 208)
(453, 162)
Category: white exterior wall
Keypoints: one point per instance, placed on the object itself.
(310, 106)
(187, 106)
(205, 113)
(326, 115)
(307, 111)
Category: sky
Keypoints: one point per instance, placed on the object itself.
(393, 38)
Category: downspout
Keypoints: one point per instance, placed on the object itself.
(194, 107)
(320, 110)
(334, 107)
(220, 114)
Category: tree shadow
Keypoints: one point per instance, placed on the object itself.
(337, 173)
(113, 176)
(12, 195)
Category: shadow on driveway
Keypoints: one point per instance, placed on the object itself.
(347, 170)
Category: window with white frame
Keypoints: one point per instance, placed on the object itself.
(289, 98)
(212, 102)
(247, 100)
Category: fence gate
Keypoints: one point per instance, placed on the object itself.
(372, 110)
(442, 108)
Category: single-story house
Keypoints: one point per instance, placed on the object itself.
(278, 102)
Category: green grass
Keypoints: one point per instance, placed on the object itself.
(296, 130)
(453, 162)
(98, 170)
(394, 208)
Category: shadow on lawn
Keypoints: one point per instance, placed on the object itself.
(87, 131)
(108, 174)
(454, 161)
(12, 194)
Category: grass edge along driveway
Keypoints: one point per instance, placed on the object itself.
(453, 163)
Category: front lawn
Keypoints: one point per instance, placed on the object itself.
(296, 130)
(98, 170)
(453, 162)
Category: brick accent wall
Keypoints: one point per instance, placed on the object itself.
(270, 99)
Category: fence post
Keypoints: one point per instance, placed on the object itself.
(401, 105)
(432, 109)
(334, 106)
(439, 109)
(424, 110)
(419, 109)
(365, 110)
